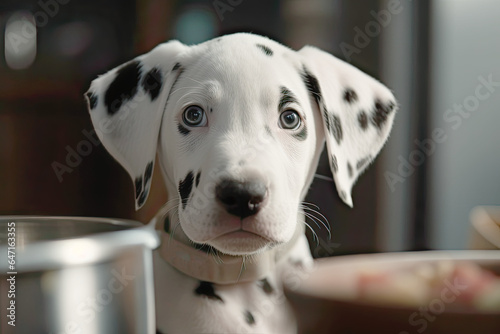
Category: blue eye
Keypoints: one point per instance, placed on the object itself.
(290, 120)
(194, 116)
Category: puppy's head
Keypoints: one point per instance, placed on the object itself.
(239, 123)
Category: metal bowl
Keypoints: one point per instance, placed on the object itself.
(63, 275)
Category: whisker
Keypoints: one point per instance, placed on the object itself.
(315, 236)
(191, 93)
(317, 212)
(324, 221)
(201, 83)
(310, 204)
(217, 257)
(173, 202)
(175, 228)
(311, 217)
(215, 253)
(323, 177)
(242, 267)
(190, 88)
(174, 210)
(166, 205)
(320, 219)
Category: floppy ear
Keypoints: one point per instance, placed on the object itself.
(126, 107)
(357, 111)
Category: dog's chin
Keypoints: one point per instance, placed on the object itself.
(241, 243)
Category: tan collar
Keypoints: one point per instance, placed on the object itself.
(222, 268)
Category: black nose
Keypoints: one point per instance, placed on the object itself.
(241, 199)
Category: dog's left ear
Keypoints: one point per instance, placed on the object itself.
(357, 111)
(126, 106)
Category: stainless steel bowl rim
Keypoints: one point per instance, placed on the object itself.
(81, 250)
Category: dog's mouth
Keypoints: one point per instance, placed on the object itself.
(240, 242)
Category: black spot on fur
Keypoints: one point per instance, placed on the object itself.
(185, 187)
(287, 97)
(265, 49)
(148, 172)
(268, 131)
(92, 100)
(207, 289)
(391, 106)
(312, 85)
(381, 112)
(166, 224)
(302, 135)
(334, 164)
(138, 187)
(249, 318)
(183, 130)
(326, 117)
(197, 179)
(336, 128)
(176, 66)
(152, 83)
(363, 120)
(349, 169)
(362, 162)
(205, 248)
(143, 196)
(266, 286)
(350, 95)
(333, 125)
(172, 89)
(124, 87)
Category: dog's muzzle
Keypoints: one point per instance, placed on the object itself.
(241, 199)
(223, 268)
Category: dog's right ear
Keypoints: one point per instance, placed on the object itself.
(126, 106)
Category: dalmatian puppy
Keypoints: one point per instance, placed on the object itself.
(238, 123)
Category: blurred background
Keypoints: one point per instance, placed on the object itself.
(441, 58)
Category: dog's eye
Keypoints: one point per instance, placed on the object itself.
(289, 119)
(194, 116)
